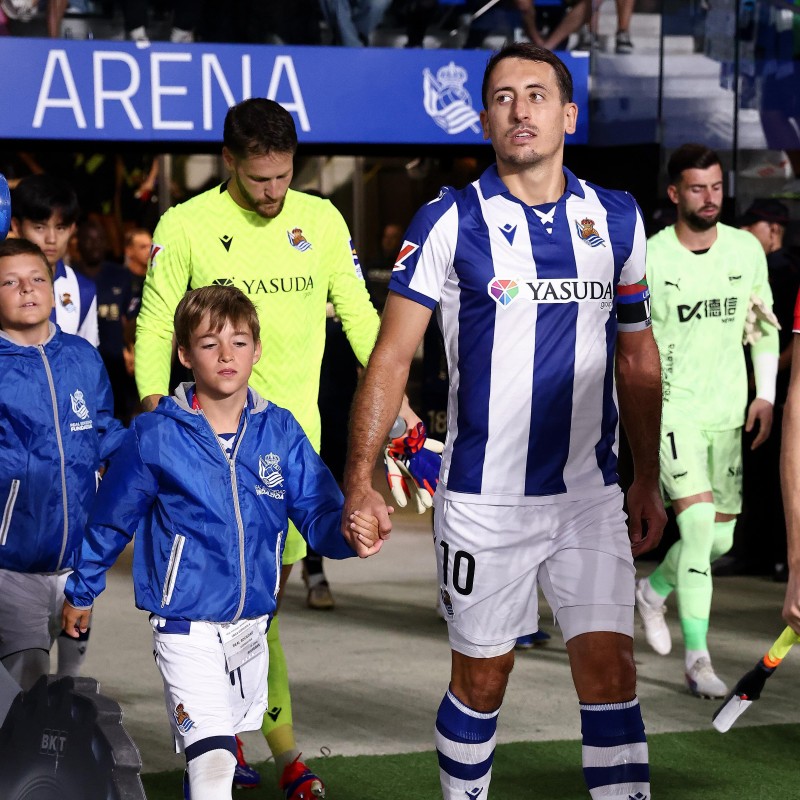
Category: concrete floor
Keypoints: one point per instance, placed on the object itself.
(368, 677)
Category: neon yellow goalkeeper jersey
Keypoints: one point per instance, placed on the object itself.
(289, 266)
(698, 306)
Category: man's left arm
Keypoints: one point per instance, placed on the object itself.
(638, 369)
(764, 352)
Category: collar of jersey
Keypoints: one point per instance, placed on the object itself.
(492, 185)
(60, 270)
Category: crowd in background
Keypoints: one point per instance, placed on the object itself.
(351, 23)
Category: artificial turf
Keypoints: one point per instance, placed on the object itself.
(747, 763)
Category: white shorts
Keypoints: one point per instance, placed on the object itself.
(30, 611)
(203, 699)
(492, 559)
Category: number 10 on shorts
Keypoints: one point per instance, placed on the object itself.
(463, 569)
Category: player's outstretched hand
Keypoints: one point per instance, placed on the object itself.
(759, 411)
(75, 621)
(366, 530)
(646, 516)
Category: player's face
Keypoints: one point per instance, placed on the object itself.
(137, 252)
(26, 294)
(260, 183)
(51, 235)
(525, 118)
(221, 360)
(698, 196)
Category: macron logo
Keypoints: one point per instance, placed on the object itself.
(508, 230)
(407, 250)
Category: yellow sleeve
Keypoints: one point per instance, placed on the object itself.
(168, 274)
(347, 290)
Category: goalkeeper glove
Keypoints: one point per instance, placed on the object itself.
(412, 466)
(759, 314)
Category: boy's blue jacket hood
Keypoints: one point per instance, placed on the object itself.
(209, 531)
(56, 430)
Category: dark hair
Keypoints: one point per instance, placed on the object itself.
(530, 52)
(22, 247)
(690, 156)
(38, 197)
(131, 235)
(257, 127)
(222, 304)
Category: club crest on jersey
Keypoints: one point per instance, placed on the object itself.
(269, 470)
(447, 602)
(66, 302)
(447, 102)
(503, 291)
(588, 234)
(297, 240)
(408, 249)
(155, 249)
(184, 722)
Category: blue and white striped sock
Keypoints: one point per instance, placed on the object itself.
(465, 742)
(615, 762)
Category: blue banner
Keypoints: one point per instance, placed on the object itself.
(118, 91)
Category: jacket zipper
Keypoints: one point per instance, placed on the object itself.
(64, 502)
(9, 510)
(238, 511)
(172, 569)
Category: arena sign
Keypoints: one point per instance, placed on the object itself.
(93, 90)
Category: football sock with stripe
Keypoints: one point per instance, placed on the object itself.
(615, 759)
(465, 743)
(277, 725)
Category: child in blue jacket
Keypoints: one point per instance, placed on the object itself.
(213, 475)
(56, 430)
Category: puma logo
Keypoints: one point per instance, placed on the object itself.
(692, 569)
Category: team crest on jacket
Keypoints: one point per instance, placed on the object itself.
(81, 411)
(297, 240)
(184, 722)
(66, 302)
(269, 470)
(588, 234)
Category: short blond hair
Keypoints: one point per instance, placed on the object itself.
(222, 304)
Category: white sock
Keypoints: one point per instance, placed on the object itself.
(651, 596)
(211, 775)
(693, 655)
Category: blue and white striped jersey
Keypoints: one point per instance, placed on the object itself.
(76, 303)
(530, 301)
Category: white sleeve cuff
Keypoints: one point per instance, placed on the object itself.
(765, 368)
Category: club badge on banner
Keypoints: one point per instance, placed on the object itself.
(163, 92)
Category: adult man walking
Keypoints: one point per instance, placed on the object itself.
(539, 279)
(705, 277)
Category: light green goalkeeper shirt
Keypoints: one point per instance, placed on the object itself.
(698, 306)
(289, 266)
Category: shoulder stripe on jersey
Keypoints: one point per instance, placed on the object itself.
(87, 292)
